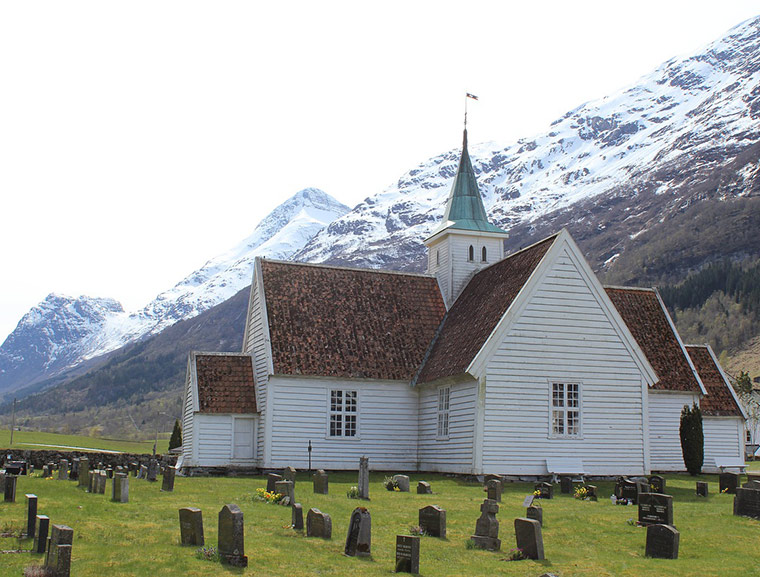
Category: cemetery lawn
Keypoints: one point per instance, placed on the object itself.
(581, 538)
(33, 440)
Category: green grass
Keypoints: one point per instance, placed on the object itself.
(25, 440)
(580, 538)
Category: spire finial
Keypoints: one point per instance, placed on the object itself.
(466, 96)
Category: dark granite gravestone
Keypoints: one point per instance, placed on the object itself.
(546, 490)
(747, 502)
(729, 482)
(74, 474)
(432, 520)
(535, 513)
(424, 488)
(31, 514)
(662, 542)
(109, 472)
(702, 488)
(565, 484)
(63, 470)
(364, 478)
(17, 468)
(120, 488)
(529, 538)
(407, 554)
(285, 488)
(272, 479)
(359, 537)
(626, 490)
(655, 509)
(296, 517)
(83, 471)
(591, 493)
(493, 490)
(402, 482)
(167, 482)
(9, 490)
(152, 470)
(642, 487)
(318, 524)
(487, 527)
(91, 481)
(191, 526)
(289, 474)
(57, 559)
(41, 534)
(657, 484)
(231, 538)
(321, 482)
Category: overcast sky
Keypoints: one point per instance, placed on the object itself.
(139, 139)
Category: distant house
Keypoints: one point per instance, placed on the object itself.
(484, 364)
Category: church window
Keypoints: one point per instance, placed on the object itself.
(443, 412)
(471, 254)
(484, 255)
(343, 413)
(565, 410)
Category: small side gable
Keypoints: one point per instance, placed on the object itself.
(564, 245)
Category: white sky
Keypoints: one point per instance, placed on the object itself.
(138, 139)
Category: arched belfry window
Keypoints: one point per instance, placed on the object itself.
(471, 254)
(484, 255)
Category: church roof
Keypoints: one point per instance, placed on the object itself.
(225, 383)
(474, 315)
(464, 208)
(720, 401)
(350, 323)
(650, 325)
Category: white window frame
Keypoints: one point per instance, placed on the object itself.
(565, 408)
(443, 423)
(343, 412)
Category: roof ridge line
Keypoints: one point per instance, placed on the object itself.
(349, 268)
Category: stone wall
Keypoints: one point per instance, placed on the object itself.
(38, 458)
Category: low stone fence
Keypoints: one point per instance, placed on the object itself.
(42, 457)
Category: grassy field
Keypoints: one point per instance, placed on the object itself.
(581, 538)
(23, 440)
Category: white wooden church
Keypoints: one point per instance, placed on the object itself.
(486, 364)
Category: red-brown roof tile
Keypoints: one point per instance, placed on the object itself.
(225, 383)
(476, 312)
(353, 323)
(646, 319)
(719, 401)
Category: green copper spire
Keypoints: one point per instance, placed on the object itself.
(464, 209)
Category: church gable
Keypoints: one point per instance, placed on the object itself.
(224, 383)
(720, 400)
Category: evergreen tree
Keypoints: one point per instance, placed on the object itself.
(743, 383)
(176, 438)
(692, 439)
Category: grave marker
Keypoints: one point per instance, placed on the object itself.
(546, 490)
(9, 491)
(296, 517)
(120, 488)
(535, 513)
(402, 482)
(285, 488)
(83, 471)
(729, 482)
(63, 470)
(487, 527)
(272, 478)
(747, 503)
(565, 484)
(74, 474)
(191, 526)
(59, 559)
(31, 514)
(152, 470)
(662, 542)
(407, 554)
(320, 482)
(657, 484)
(231, 539)
(359, 537)
(424, 488)
(591, 493)
(655, 509)
(289, 474)
(167, 483)
(318, 524)
(529, 538)
(493, 490)
(41, 534)
(702, 488)
(432, 520)
(364, 478)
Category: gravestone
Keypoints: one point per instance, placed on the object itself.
(285, 488)
(41, 534)
(642, 487)
(487, 527)
(63, 470)
(657, 484)
(359, 537)
(535, 513)
(120, 488)
(231, 539)
(591, 493)
(74, 474)
(363, 478)
(31, 514)
(753, 476)
(152, 470)
(402, 482)
(167, 483)
(83, 472)
(320, 482)
(91, 481)
(407, 554)
(289, 474)
(626, 489)
(662, 542)
(424, 488)
(109, 472)
(272, 478)
(729, 482)
(702, 488)
(529, 538)
(9, 491)
(491, 477)
(101, 482)
(191, 526)
(565, 484)
(432, 520)
(655, 509)
(143, 472)
(56, 558)
(296, 517)
(134, 467)
(546, 490)
(46, 471)
(751, 485)
(493, 490)
(747, 503)
(318, 524)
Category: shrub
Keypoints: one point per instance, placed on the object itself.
(692, 439)
(176, 438)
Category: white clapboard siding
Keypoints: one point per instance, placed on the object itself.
(214, 440)
(462, 269)
(664, 424)
(439, 266)
(724, 437)
(300, 411)
(563, 335)
(455, 453)
(188, 422)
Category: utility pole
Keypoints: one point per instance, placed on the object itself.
(13, 420)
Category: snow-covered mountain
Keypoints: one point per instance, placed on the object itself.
(62, 331)
(668, 132)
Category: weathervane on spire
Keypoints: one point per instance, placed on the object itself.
(466, 96)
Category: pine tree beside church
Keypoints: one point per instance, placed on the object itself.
(176, 438)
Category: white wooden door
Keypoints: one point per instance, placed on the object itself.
(242, 439)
